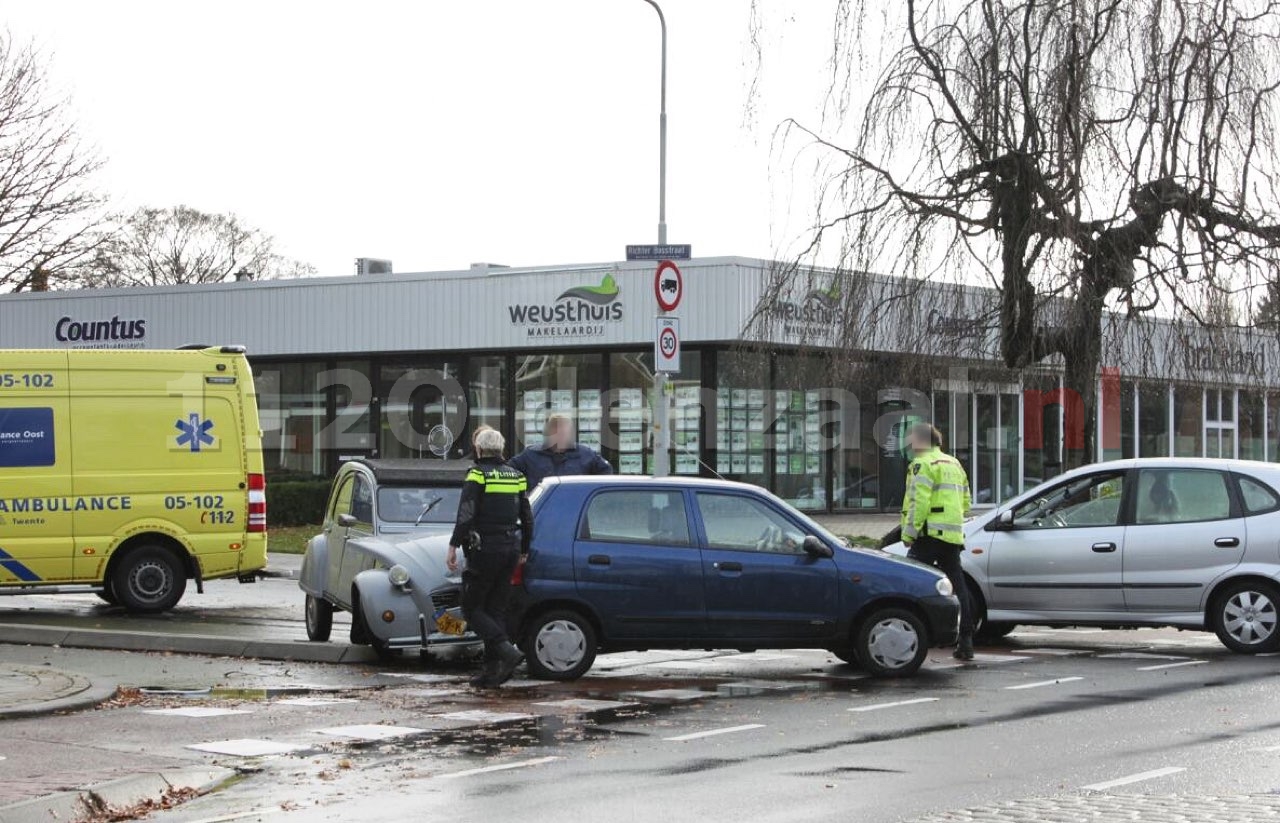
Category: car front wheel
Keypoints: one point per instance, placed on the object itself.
(559, 645)
(1245, 617)
(891, 642)
(319, 613)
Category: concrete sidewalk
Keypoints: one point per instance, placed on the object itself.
(34, 690)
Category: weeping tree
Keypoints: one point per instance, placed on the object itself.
(1081, 156)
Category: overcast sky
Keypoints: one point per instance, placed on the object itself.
(438, 133)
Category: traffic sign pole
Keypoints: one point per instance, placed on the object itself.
(668, 290)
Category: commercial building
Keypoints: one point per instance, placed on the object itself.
(800, 382)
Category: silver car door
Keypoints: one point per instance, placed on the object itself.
(1186, 532)
(1062, 551)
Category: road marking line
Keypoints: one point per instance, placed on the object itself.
(196, 711)
(1043, 683)
(1270, 749)
(371, 731)
(714, 732)
(1141, 656)
(1172, 665)
(503, 767)
(1133, 778)
(894, 704)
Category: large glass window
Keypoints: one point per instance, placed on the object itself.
(744, 401)
(1220, 423)
(291, 408)
(1250, 426)
(1181, 496)
(631, 516)
(486, 396)
(422, 409)
(1153, 420)
(1188, 417)
(351, 432)
(627, 418)
(1042, 421)
(565, 383)
(801, 427)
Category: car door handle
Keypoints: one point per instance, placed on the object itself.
(1104, 548)
(727, 567)
(1227, 542)
(600, 560)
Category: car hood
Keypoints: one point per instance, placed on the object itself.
(971, 527)
(858, 556)
(424, 555)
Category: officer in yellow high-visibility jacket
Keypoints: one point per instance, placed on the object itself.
(933, 513)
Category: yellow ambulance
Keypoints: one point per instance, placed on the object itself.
(129, 473)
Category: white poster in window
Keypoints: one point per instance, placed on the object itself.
(588, 399)
(739, 398)
(739, 464)
(534, 422)
(811, 401)
(812, 442)
(756, 421)
(780, 400)
(686, 464)
(590, 439)
(631, 420)
(755, 399)
(589, 421)
(630, 464)
(687, 440)
(724, 463)
(562, 400)
(811, 422)
(782, 464)
(630, 399)
(722, 440)
(811, 464)
(686, 396)
(534, 399)
(739, 442)
(722, 399)
(755, 464)
(740, 420)
(630, 442)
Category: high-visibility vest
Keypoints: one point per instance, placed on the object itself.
(937, 499)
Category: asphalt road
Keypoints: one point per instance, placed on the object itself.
(1055, 724)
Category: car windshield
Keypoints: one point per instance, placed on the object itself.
(405, 504)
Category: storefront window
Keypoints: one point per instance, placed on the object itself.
(1250, 426)
(1220, 422)
(486, 397)
(291, 408)
(1042, 419)
(743, 393)
(422, 409)
(794, 427)
(1153, 420)
(1188, 416)
(351, 433)
(564, 383)
(1116, 414)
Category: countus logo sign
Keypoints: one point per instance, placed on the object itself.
(582, 311)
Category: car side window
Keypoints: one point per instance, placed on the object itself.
(362, 503)
(342, 500)
(741, 523)
(1093, 500)
(1181, 496)
(637, 516)
(1257, 497)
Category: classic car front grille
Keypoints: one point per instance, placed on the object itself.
(446, 598)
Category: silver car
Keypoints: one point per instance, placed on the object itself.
(381, 556)
(1191, 543)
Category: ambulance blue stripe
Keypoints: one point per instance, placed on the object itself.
(17, 569)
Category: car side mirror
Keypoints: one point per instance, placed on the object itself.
(346, 521)
(1004, 520)
(816, 548)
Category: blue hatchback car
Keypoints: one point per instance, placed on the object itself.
(627, 563)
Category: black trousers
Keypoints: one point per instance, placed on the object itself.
(945, 557)
(486, 589)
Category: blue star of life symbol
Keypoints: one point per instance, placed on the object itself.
(194, 432)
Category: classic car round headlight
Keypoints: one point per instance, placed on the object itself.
(398, 575)
(944, 587)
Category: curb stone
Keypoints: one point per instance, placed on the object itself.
(114, 794)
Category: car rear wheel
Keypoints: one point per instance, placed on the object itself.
(149, 579)
(559, 645)
(319, 614)
(1245, 617)
(891, 642)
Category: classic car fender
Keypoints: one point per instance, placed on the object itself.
(379, 598)
(315, 566)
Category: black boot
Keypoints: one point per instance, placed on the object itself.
(488, 677)
(508, 658)
(964, 649)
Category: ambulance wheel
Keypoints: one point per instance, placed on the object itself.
(319, 614)
(149, 579)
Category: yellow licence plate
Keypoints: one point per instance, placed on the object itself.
(448, 624)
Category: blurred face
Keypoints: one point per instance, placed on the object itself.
(561, 434)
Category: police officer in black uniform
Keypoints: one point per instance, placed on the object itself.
(494, 528)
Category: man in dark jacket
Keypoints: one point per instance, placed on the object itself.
(558, 455)
(495, 528)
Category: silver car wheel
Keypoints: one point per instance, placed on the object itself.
(560, 645)
(893, 643)
(150, 582)
(1249, 617)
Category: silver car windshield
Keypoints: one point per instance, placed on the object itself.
(418, 504)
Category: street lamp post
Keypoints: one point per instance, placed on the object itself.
(661, 416)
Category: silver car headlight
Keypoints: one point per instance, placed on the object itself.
(398, 575)
(944, 587)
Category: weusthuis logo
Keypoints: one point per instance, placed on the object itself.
(582, 311)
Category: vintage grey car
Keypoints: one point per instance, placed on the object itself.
(382, 557)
